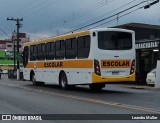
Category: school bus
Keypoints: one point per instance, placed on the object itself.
(93, 57)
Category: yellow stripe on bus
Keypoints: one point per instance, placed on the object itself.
(115, 63)
(61, 64)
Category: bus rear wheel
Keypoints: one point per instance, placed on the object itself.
(63, 81)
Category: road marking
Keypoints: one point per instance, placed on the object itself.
(122, 105)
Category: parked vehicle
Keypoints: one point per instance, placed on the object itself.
(5, 71)
(151, 76)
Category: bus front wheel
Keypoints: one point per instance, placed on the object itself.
(63, 81)
(33, 79)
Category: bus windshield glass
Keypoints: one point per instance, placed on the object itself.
(111, 40)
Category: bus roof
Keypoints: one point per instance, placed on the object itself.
(60, 37)
(72, 35)
(112, 29)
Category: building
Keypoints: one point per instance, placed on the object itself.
(6, 62)
(147, 41)
(7, 50)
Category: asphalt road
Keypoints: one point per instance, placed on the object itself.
(21, 97)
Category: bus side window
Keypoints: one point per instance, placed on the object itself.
(60, 49)
(48, 45)
(74, 47)
(62, 52)
(33, 52)
(87, 41)
(68, 48)
(71, 48)
(41, 51)
(83, 46)
(43, 55)
(43, 47)
(50, 51)
(38, 51)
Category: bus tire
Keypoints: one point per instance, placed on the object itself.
(63, 81)
(96, 87)
(33, 78)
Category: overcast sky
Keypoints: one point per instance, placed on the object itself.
(45, 18)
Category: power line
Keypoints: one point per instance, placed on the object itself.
(150, 4)
(85, 13)
(116, 18)
(113, 15)
(109, 16)
(25, 9)
(4, 32)
(34, 7)
(77, 11)
(81, 12)
(107, 13)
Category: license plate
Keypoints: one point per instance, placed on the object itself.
(115, 73)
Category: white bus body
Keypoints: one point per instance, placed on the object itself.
(108, 56)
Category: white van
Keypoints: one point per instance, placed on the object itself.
(151, 77)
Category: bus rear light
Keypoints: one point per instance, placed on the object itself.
(132, 67)
(97, 67)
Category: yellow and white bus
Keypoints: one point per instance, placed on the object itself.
(94, 57)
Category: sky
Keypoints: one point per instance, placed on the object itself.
(46, 18)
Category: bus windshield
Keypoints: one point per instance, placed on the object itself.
(111, 40)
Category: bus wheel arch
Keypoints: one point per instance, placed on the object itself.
(32, 77)
(63, 82)
(31, 74)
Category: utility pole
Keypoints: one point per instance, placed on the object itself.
(18, 26)
(14, 50)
